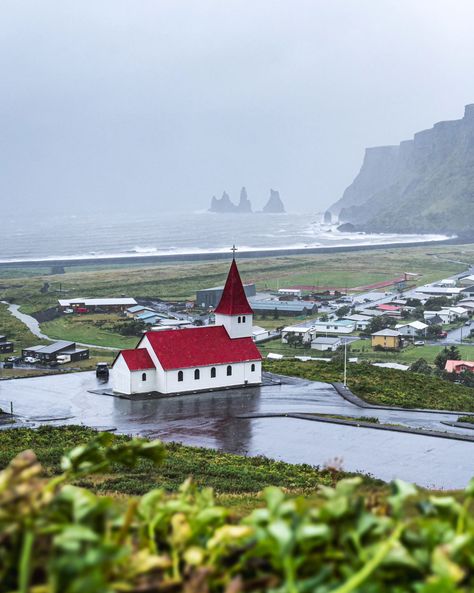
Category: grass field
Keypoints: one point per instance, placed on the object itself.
(179, 281)
(89, 329)
(388, 387)
(237, 480)
(16, 331)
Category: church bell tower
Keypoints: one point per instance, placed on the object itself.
(233, 310)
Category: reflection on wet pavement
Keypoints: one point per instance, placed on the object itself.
(210, 420)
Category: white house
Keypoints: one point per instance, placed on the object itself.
(459, 312)
(298, 331)
(361, 321)
(413, 329)
(195, 359)
(260, 333)
(334, 327)
(445, 316)
(326, 344)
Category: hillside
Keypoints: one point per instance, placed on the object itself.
(421, 185)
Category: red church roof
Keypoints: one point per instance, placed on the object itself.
(200, 346)
(138, 360)
(234, 300)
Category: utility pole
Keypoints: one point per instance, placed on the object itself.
(345, 362)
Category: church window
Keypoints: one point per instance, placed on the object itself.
(197, 374)
(180, 376)
(213, 373)
(239, 319)
(229, 370)
(243, 319)
(143, 376)
(252, 368)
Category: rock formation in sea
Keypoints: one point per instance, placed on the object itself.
(327, 217)
(244, 204)
(422, 185)
(222, 205)
(274, 204)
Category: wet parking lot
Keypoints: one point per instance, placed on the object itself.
(212, 420)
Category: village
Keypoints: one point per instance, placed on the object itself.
(397, 323)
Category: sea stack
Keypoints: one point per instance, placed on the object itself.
(274, 204)
(244, 203)
(223, 205)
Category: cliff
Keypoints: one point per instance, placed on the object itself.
(274, 204)
(422, 185)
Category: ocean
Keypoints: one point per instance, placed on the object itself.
(96, 235)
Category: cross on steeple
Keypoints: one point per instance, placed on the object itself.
(234, 249)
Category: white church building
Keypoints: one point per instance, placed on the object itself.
(195, 359)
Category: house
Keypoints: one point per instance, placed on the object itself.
(299, 331)
(458, 312)
(194, 359)
(272, 306)
(467, 304)
(433, 290)
(290, 292)
(136, 310)
(391, 310)
(326, 344)
(413, 329)
(210, 297)
(459, 366)
(51, 352)
(442, 317)
(468, 291)
(260, 333)
(466, 280)
(342, 326)
(112, 305)
(5, 345)
(361, 321)
(388, 339)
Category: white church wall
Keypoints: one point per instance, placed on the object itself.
(241, 373)
(129, 382)
(121, 380)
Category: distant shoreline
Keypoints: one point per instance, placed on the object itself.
(215, 255)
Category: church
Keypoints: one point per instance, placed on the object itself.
(205, 358)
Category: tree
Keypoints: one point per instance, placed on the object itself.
(433, 332)
(435, 303)
(294, 340)
(275, 314)
(342, 311)
(378, 323)
(451, 353)
(421, 366)
(324, 317)
(418, 313)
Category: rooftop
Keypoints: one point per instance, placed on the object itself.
(200, 346)
(233, 300)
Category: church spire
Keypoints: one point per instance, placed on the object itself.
(233, 300)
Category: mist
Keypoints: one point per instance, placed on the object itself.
(160, 105)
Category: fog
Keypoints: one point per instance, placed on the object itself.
(161, 104)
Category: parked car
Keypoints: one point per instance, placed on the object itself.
(8, 365)
(11, 359)
(53, 364)
(102, 370)
(68, 311)
(419, 343)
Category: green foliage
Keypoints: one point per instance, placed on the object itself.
(466, 419)
(227, 474)
(421, 366)
(382, 385)
(451, 353)
(58, 538)
(378, 323)
(433, 332)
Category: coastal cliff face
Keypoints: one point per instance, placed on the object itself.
(422, 185)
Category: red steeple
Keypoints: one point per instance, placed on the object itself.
(233, 300)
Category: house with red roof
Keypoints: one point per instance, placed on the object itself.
(459, 366)
(204, 358)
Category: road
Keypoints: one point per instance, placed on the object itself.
(212, 420)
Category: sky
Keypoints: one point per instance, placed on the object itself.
(162, 104)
